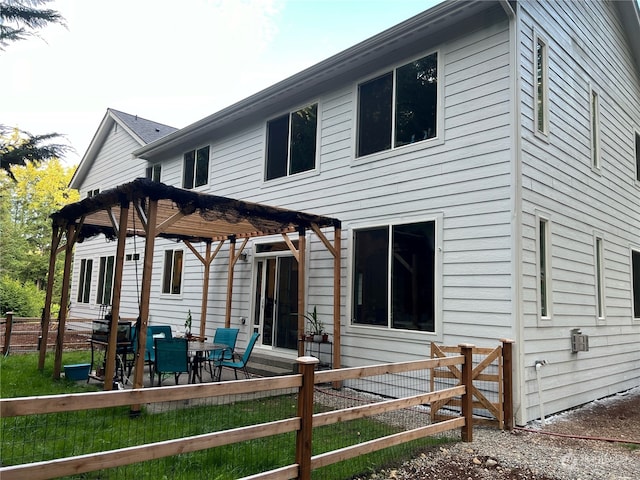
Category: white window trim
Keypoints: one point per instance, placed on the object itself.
(307, 173)
(599, 276)
(632, 248)
(546, 319)
(544, 133)
(366, 331)
(636, 152)
(595, 160)
(184, 261)
(394, 151)
(195, 167)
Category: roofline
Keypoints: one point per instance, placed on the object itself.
(96, 142)
(415, 24)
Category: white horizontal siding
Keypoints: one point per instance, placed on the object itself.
(587, 46)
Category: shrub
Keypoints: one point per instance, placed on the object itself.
(23, 299)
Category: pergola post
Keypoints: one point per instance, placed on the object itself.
(46, 313)
(302, 248)
(232, 256)
(112, 344)
(64, 300)
(145, 291)
(336, 296)
(205, 289)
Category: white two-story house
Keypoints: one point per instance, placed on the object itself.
(484, 160)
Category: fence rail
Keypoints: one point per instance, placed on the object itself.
(303, 423)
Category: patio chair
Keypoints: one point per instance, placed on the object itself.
(171, 357)
(240, 364)
(224, 336)
(154, 332)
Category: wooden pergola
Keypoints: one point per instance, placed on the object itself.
(169, 212)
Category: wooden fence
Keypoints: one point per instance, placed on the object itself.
(492, 366)
(302, 424)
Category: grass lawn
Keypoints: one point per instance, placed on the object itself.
(46, 437)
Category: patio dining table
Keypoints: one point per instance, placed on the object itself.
(199, 352)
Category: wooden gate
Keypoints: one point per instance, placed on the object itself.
(492, 367)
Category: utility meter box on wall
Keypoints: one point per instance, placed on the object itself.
(579, 342)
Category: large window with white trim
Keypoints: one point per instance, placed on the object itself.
(394, 276)
(399, 107)
(291, 143)
(84, 281)
(172, 272)
(196, 168)
(105, 280)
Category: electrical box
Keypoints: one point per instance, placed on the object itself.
(579, 341)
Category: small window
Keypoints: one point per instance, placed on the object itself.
(394, 277)
(153, 172)
(637, 157)
(93, 193)
(84, 281)
(105, 280)
(399, 107)
(595, 129)
(544, 267)
(172, 276)
(599, 278)
(291, 143)
(635, 268)
(196, 168)
(541, 82)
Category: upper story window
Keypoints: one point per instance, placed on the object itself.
(595, 128)
(541, 82)
(399, 107)
(637, 157)
(291, 143)
(394, 276)
(153, 172)
(196, 168)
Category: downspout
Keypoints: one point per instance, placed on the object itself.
(516, 214)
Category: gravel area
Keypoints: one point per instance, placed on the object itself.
(580, 451)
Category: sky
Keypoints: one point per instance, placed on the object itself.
(172, 62)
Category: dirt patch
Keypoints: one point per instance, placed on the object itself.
(25, 336)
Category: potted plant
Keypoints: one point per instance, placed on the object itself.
(187, 325)
(316, 327)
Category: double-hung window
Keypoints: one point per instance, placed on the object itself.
(394, 276)
(635, 269)
(399, 107)
(291, 143)
(541, 86)
(196, 168)
(594, 104)
(153, 172)
(172, 275)
(105, 280)
(84, 282)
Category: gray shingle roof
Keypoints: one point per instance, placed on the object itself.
(147, 130)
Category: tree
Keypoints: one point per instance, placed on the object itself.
(25, 207)
(19, 147)
(19, 19)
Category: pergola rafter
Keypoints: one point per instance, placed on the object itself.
(169, 212)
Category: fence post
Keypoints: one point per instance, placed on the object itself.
(8, 327)
(466, 350)
(507, 375)
(306, 366)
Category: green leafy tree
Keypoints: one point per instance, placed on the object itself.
(21, 19)
(24, 299)
(25, 207)
(19, 147)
